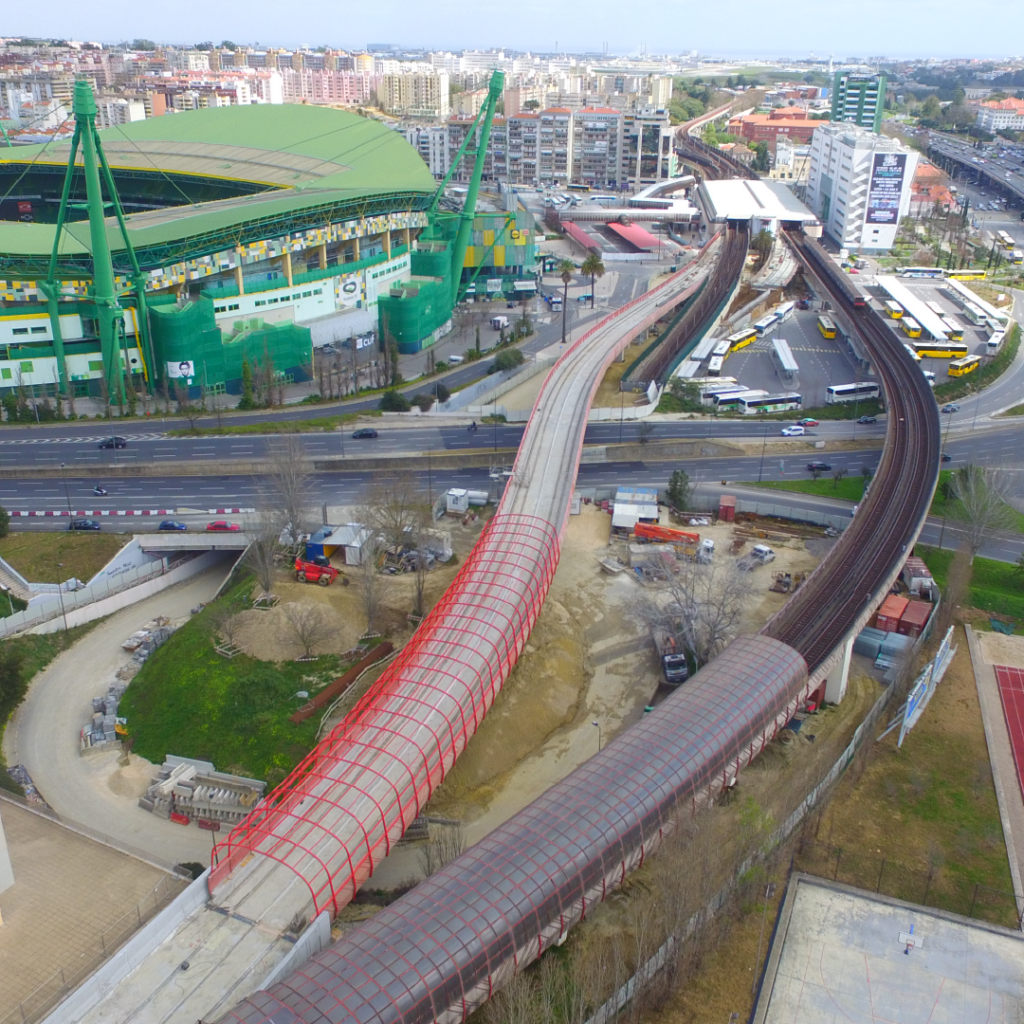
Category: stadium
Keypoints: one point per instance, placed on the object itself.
(253, 233)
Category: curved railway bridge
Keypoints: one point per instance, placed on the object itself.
(442, 950)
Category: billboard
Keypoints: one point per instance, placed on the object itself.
(183, 369)
(886, 187)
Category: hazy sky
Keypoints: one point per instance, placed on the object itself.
(982, 28)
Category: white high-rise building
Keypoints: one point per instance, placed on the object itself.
(859, 185)
(416, 94)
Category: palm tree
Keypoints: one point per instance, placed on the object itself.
(593, 268)
(566, 269)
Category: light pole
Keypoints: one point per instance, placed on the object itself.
(597, 725)
(64, 475)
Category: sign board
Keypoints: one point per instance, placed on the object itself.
(181, 370)
(885, 188)
(493, 285)
(925, 684)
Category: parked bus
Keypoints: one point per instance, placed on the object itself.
(710, 384)
(722, 349)
(729, 401)
(936, 308)
(715, 366)
(975, 314)
(894, 309)
(910, 327)
(961, 367)
(827, 327)
(954, 332)
(921, 272)
(859, 392)
(940, 349)
(995, 343)
(784, 311)
(741, 339)
(967, 275)
(766, 325)
(749, 405)
(710, 396)
(1017, 256)
(913, 354)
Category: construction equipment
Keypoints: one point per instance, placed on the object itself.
(654, 533)
(310, 572)
(673, 661)
(782, 583)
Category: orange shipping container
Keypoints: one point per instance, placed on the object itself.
(890, 613)
(915, 618)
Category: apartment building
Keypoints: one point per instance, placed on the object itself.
(415, 94)
(554, 146)
(1001, 115)
(495, 160)
(596, 157)
(647, 153)
(859, 184)
(431, 142)
(859, 99)
(334, 88)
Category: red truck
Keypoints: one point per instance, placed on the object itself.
(310, 572)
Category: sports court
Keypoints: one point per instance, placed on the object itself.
(1011, 693)
(844, 956)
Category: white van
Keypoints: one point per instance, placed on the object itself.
(455, 360)
(499, 323)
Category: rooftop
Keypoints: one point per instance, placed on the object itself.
(740, 199)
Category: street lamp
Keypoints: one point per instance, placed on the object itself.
(597, 725)
(64, 475)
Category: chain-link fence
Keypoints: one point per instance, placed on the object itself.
(935, 886)
(65, 980)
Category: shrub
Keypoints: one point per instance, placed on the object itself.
(508, 359)
(442, 392)
(423, 401)
(394, 401)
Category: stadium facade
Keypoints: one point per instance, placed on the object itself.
(242, 233)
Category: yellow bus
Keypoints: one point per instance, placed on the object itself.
(827, 327)
(910, 327)
(967, 275)
(953, 330)
(960, 367)
(894, 309)
(741, 339)
(940, 349)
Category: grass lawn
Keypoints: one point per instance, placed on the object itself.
(982, 377)
(850, 488)
(190, 701)
(56, 557)
(952, 508)
(995, 586)
(315, 425)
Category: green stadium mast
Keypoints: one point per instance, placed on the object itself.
(109, 312)
(469, 207)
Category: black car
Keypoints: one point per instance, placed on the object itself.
(868, 419)
(113, 442)
(821, 467)
(946, 457)
(83, 524)
(363, 433)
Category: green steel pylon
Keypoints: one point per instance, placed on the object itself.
(109, 312)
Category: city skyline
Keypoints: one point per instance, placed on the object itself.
(910, 28)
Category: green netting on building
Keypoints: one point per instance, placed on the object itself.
(189, 333)
(415, 311)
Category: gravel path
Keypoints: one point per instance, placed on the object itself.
(90, 791)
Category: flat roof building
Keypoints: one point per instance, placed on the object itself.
(763, 204)
(859, 99)
(859, 184)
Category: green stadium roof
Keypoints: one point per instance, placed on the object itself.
(318, 165)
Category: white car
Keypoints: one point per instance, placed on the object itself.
(794, 431)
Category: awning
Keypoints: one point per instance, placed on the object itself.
(525, 286)
(636, 236)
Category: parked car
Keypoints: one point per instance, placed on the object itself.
(363, 433)
(952, 407)
(171, 524)
(946, 457)
(807, 421)
(113, 442)
(820, 467)
(794, 431)
(222, 526)
(868, 419)
(83, 524)
(802, 304)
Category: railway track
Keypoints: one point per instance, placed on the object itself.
(817, 618)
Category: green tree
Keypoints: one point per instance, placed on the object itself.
(246, 401)
(762, 244)
(566, 269)
(442, 392)
(5, 523)
(142, 44)
(476, 346)
(508, 358)
(593, 268)
(680, 490)
(762, 160)
(12, 682)
(228, 45)
(931, 109)
(394, 401)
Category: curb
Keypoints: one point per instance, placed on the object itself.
(135, 512)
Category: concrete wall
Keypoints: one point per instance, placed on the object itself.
(314, 939)
(131, 556)
(6, 871)
(131, 954)
(114, 603)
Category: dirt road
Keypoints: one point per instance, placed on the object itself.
(91, 791)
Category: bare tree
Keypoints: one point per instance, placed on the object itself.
(261, 556)
(958, 585)
(446, 842)
(287, 486)
(229, 624)
(186, 407)
(370, 582)
(703, 607)
(308, 625)
(515, 1003)
(644, 431)
(982, 494)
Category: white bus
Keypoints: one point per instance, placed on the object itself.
(750, 404)
(994, 344)
(859, 392)
(975, 314)
(784, 311)
(711, 396)
(715, 366)
(766, 325)
(727, 400)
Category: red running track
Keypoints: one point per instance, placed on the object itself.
(1011, 691)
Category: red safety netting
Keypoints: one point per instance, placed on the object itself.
(337, 814)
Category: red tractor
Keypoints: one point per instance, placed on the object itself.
(310, 572)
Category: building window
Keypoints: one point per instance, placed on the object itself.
(20, 330)
(261, 302)
(38, 330)
(26, 367)
(5, 373)
(96, 365)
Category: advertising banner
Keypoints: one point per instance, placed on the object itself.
(184, 369)
(886, 186)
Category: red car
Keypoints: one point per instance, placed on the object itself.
(807, 421)
(222, 526)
